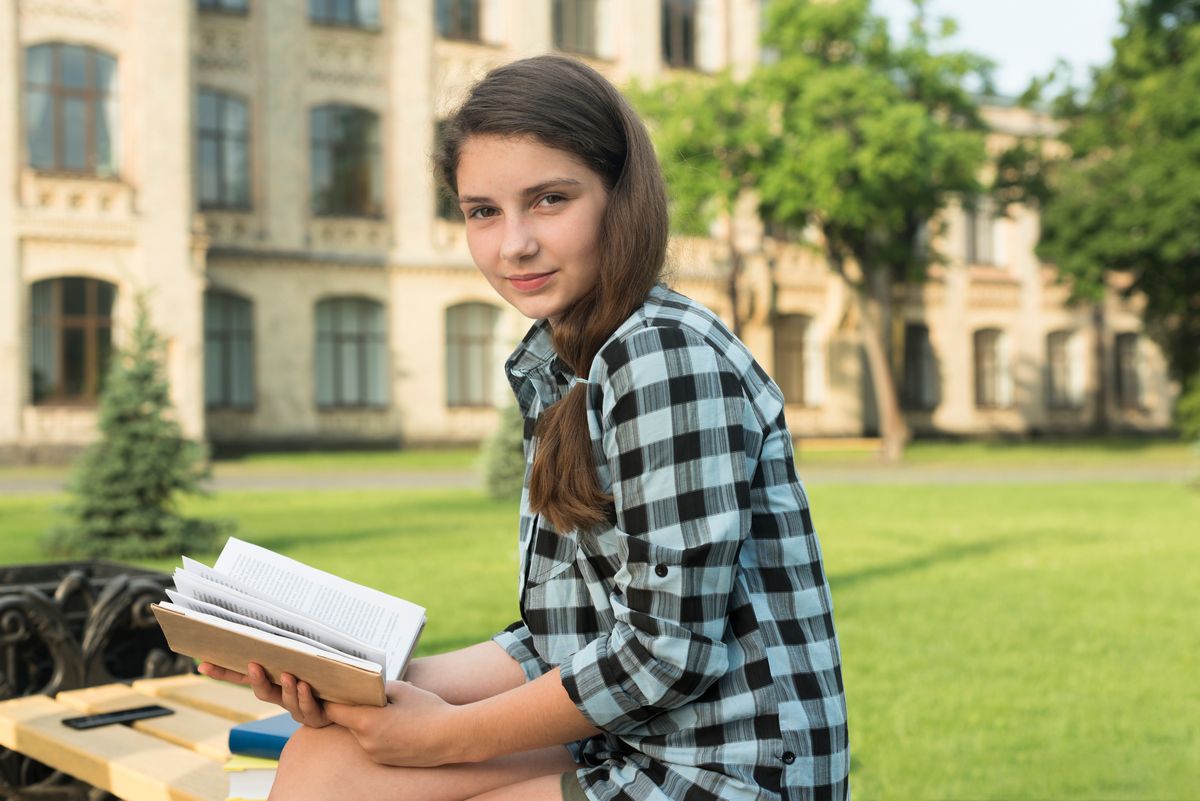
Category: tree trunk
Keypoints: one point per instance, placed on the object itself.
(892, 427)
(1100, 420)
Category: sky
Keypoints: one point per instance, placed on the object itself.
(1024, 37)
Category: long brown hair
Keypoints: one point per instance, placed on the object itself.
(569, 106)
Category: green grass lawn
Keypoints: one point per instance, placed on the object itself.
(1000, 641)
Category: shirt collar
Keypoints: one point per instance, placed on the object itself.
(534, 368)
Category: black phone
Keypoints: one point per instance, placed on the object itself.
(117, 716)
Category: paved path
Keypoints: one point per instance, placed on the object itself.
(13, 483)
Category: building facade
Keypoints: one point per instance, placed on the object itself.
(259, 172)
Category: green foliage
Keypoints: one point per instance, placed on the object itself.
(1187, 411)
(126, 486)
(1127, 198)
(503, 456)
(871, 138)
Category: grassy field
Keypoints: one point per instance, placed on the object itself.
(1000, 641)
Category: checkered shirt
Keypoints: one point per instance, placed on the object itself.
(695, 629)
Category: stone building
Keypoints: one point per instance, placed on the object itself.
(259, 171)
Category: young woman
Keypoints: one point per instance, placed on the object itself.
(676, 633)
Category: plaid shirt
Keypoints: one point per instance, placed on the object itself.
(695, 629)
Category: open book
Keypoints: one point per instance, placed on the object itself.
(255, 605)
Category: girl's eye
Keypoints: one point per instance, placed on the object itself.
(554, 199)
(481, 212)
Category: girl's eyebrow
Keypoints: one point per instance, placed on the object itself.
(536, 189)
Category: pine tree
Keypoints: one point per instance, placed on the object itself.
(126, 487)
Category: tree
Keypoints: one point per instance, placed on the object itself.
(126, 486)
(503, 456)
(1126, 199)
(708, 131)
(870, 141)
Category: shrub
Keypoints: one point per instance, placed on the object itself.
(504, 456)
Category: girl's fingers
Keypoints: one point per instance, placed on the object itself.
(264, 690)
(313, 711)
(223, 674)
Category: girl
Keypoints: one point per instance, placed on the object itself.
(676, 632)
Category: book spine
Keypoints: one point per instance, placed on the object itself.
(256, 744)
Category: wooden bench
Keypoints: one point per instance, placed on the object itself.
(178, 757)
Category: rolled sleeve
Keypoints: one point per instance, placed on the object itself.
(674, 419)
(517, 642)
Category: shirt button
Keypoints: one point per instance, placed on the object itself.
(788, 757)
(660, 570)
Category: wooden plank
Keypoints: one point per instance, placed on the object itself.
(127, 763)
(200, 731)
(216, 697)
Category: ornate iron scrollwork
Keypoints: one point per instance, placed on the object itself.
(69, 625)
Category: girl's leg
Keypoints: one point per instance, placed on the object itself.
(328, 764)
(543, 788)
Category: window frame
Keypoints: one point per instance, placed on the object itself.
(95, 100)
(676, 17)
(223, 7)
(990, 386)
(226, 340)
(1059, 379)
(461, 343)
(329, 17)
(790, 345)
(1127, 378)
(362, 339)
(220, 135)
(455, 30)
(920, 370)
(371, 153)
(573, 15)
(92, 322)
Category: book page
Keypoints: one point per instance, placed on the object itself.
(282, 642)
(225, 595)
(374, 617)
(197, 605)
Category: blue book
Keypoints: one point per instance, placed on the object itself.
(262, 738)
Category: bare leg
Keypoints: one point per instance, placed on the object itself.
(328, 764)
(543, 788)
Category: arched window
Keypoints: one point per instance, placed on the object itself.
(352, 360)
(228, 351)
(799, 360)
(1128, 376)
(222, 151)
(471, 363)
(346, 173)
(70, 339)
(71, 109)
(993, 372)
(919, 390)
(1064, 370)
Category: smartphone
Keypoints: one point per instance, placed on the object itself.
(117, 716)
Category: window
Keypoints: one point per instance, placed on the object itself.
(981, 230)
(232, 6)
(471, 366)
(1127, 374)
(920, 386)
(228, 351)
(352, 356)
(347, 175)
(574, 24)
(457, 19)
(1064, 370)
(70, 109)
(993, 380)
(679, 33)
(222, 148)
(355, 13)
(71, 339)
(445, 203)
(799, 362)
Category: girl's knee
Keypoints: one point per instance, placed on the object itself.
(315, 764)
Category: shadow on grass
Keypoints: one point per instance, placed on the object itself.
(954, 553)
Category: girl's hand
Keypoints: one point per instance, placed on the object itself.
(294, 696)
(415, 729)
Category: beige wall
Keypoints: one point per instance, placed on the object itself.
(143, 232)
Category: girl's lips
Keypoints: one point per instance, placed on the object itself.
(530, 282)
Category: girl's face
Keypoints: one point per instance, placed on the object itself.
(533, 221)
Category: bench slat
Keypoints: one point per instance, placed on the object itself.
(127, 763)
(238, 704)
(202, 732)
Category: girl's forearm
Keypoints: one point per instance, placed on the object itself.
(468, 674)
(535, 715)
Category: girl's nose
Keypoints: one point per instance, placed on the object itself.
(519, 241)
